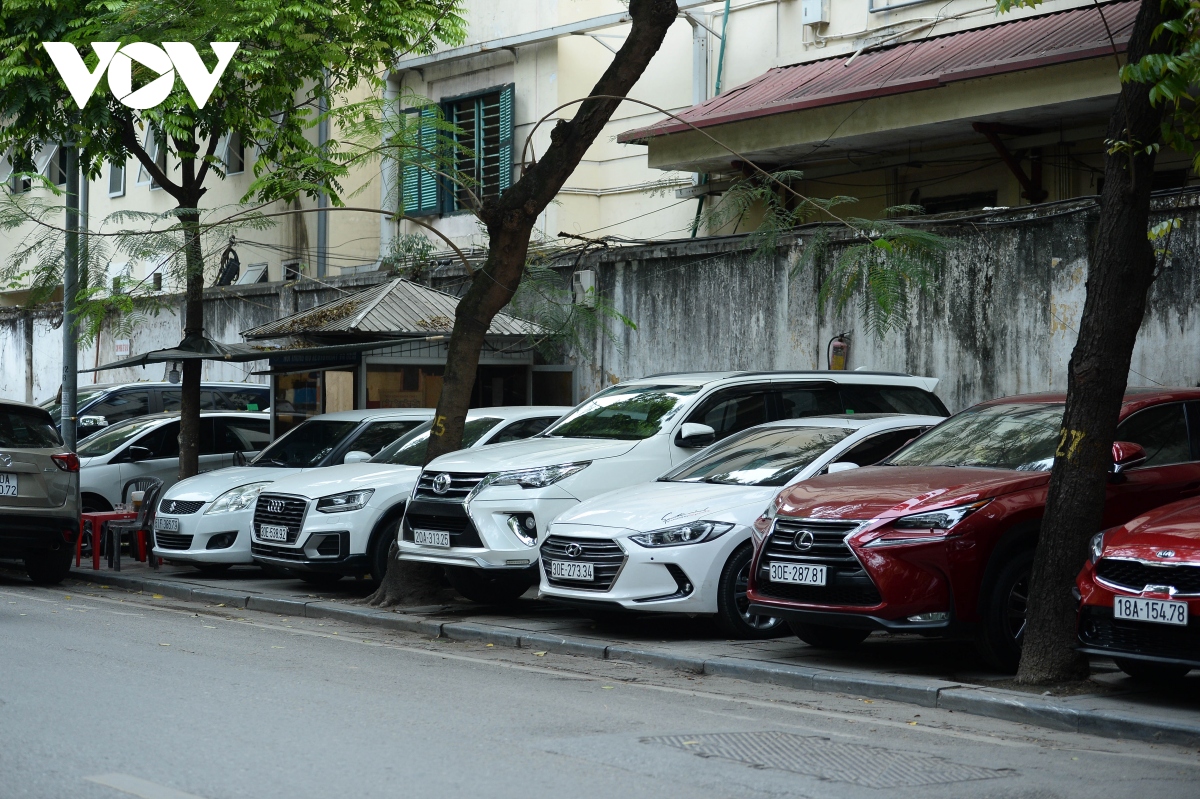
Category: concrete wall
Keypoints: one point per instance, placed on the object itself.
(1002, 319)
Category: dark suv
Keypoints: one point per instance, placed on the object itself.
(103, 404)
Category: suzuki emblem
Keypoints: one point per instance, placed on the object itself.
(5, 459)
(171, 507)
(1165, 553)
(275, 505)
(803, 540)
(441, 483)
(574, 550)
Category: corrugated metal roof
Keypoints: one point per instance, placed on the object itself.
(1022, 44)
(397, 308)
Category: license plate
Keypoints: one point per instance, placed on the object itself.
(432, 538)
(166, 525)
(566, 570)
(272, 532)
(797, 573)
(1152, 610)
(8, 485)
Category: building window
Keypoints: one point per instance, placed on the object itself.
(116, 180)
(481, 153)
(156, 148)
(11, 164)
(56, 165)
(234, 154)
(291, 270)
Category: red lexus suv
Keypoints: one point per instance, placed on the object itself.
(939, 538)
(1139, 593)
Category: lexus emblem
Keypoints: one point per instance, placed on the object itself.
(803, 540)
(5, 459)
(1165, 553)
(275, 505)
(441, 484)
(574, 550)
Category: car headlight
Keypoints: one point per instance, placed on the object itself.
(536, 478)
(690, 533)
(239, 498)
(927, 526)
(1096, 547)
(340, 503)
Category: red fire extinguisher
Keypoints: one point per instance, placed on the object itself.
(837, 353)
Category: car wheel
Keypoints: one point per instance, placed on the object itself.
(48, 568)
(491, 587)
(822, 636)
(213, 568)
(734, 618)
(1150, 672)
(319, 578)
(1005, 614)
(383, 545)
(94, 503)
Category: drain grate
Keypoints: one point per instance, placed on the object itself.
(869, 766)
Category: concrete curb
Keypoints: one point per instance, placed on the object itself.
(923, 692)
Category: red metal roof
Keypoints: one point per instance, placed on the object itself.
(1022, 44)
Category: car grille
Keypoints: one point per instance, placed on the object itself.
(846, 581)
(281, 510)
(606, 556)
(179, 507)
(1098, 629)
(172, 540)
(461, 485)
(1134, 575)
(277, 552)
(462, 531)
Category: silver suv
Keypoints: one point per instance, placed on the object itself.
(39, 493)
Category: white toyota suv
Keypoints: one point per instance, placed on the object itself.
(480, 513)
(341, 520)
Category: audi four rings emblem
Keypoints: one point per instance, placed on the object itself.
(1165, 553)
(275, 505)
(441, 483)
(574, 550)
(5, 459)
(803, 540)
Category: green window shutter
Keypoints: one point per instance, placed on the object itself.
(419, 184)
(506, 137)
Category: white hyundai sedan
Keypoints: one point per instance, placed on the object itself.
(328, 523)
(682, 544)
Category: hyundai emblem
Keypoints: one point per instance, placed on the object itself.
(574, 550)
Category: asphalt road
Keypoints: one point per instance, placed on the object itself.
(117, 695)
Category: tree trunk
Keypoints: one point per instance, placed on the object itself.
(1121, 267)
(193, 325)
(510, 219)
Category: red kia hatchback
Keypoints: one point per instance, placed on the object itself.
(939, 538)
(1139, 593)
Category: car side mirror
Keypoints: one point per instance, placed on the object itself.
(1126, 455)
(136, 453)
(356, 456)
(695, 435)
(93, 421)
(840, 466)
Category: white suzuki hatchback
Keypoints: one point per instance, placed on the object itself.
(682, 543)
(480, 512)
(204, 521)
(356, 507)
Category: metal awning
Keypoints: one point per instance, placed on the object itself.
(1022, 44)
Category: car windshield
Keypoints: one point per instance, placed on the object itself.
(26, 428)
(410, 450)
(54, 407)
(768, 456)
(1021, 436)
(625, 412)
(110, 438)
(306, 445)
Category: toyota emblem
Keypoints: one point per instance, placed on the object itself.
(803, 540)
(441, 484)
(275, 505)
(1165, 553)
(574, 550)
(6, 459)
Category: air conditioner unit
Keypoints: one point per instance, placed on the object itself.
(583, 286)
(814, 12)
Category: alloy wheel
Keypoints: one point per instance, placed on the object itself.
(1016, 609)
(741, 585)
